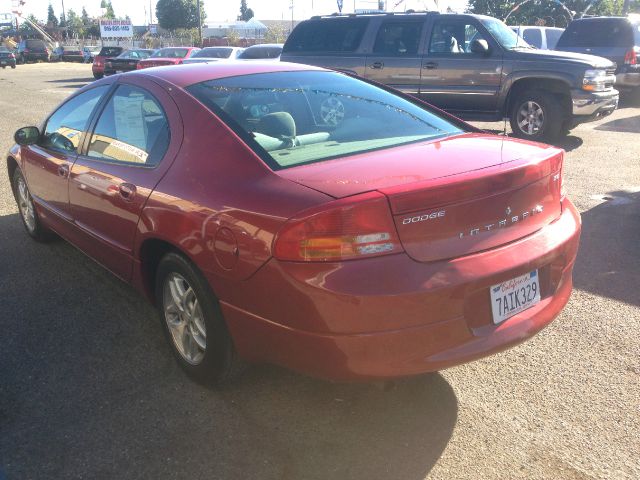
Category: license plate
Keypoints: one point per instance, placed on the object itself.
(514, 296)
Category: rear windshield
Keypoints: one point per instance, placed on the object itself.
(171, 53)
(213, 53)
(35, 44)
(334, 35)
(601, 32)
(110, 51)
(254, 53)
(294, 118)
(71, 49)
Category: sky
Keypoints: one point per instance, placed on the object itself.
(228, 10)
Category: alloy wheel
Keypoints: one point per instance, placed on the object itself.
(184, 317)
(530, 117)
(25, 205)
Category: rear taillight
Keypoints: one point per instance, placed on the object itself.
(139, 67)
(356, 227)
(631, 57)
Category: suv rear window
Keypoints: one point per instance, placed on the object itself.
(332, 35)
(110, 51)
(601, 32)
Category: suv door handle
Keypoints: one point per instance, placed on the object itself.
(430, 65)
(127, 191)
(377, 65)
(63, 170)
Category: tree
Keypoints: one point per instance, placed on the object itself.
(26, 28)
(75, 26)
(109, 13)
(86, 21)
(52, 20)
(173, 14)
(543, 12)
(246, 13)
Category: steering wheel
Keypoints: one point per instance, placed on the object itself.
(332, 111)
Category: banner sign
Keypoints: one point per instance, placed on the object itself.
(116, 28)
(6, 20)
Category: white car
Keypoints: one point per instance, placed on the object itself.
(214, 54)
(544, 38)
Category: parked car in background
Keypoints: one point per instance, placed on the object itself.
(126, 61)
(168, 56)
(213, 54)
(265, 51)
(98, 62)
(472, 66)
(7, 58)
(615, 38)
(544, 38)
(32, 50)
(90, 53)
(67, 53)
(288, 214)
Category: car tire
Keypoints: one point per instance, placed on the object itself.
(97, 76)
(537, 115)
(27, 210)
(193, 323)
(13, 66)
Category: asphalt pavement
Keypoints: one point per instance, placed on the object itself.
(89, 388)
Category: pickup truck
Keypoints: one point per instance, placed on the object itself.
(472, 66)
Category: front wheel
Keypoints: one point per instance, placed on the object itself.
(193, 322)
(536, 115)
(27, 209)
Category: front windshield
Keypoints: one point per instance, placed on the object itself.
(503, 34)
(213, 53)
(171, 53)
(293, 118)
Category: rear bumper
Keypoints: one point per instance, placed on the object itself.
(588, 106)
(628, 77)
(391, 316)
(99, 69)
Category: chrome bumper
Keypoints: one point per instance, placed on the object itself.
(628, 79)
(594, 104)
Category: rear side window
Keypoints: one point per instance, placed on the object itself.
(132, 129)
(552, 38)
(257, 52)
(398, 38)
(604, 32)
(533, 37)
(334, 35)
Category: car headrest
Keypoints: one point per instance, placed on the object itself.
(278, 125)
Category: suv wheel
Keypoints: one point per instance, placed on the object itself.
(536, 115)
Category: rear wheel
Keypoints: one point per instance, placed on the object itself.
(27, 209)
(98, 76)
(536, 115)
(193, 322)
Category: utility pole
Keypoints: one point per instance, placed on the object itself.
(64, 18)
(199, 26)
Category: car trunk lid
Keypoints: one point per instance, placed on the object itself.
(451, 197)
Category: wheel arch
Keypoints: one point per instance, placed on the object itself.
(557, 84)
(12, 165)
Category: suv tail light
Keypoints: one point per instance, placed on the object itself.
(356, 227)
(631, 57)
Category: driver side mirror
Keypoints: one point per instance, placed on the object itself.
(479, 46)
(27, 136)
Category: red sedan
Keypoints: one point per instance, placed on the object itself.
(288, 214)
(167, 56)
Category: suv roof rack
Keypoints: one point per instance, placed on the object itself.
(368, 14)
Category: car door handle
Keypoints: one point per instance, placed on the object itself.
(377, 65)
(430, 65)
(127, 191)
(63, 170)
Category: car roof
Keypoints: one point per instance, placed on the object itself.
(188, 74)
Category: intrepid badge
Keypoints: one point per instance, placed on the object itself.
(510, 220)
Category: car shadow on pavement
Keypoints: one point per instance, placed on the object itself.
(629, 124)
(90, 389)
(609, 260)
(72, 80)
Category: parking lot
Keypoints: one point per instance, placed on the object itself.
(89, 388)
